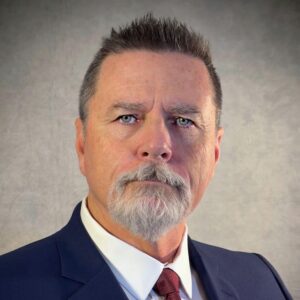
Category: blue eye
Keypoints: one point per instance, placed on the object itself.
(127, 119)
(183, 122)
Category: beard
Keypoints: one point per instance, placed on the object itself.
(149, 210)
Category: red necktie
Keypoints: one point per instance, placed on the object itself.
(167, 285)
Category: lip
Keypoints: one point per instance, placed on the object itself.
(151, 182)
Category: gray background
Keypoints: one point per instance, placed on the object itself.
(253, 201)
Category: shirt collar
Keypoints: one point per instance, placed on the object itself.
(138, 272)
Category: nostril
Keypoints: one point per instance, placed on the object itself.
(145, 154)
(164, 155)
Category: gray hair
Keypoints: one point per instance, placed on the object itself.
(150, 33)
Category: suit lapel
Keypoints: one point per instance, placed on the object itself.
(216, 287)
(82, 262)
(101, 286)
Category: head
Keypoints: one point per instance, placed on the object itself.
(148, 135)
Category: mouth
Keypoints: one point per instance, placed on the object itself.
(150, 182)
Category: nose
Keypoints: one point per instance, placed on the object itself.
(155, 143)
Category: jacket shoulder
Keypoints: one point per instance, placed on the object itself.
(33, 259)
(244, 269)
(38, 258)
(235, 259)
(34, 272)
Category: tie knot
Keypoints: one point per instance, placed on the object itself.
(167, 285)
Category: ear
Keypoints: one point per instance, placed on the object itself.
(79, 145)
(219, 135)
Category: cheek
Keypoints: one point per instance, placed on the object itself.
(201, 162)
(97, 160)
(106, 159)
(201, 174)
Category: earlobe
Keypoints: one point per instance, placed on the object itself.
(79, 145)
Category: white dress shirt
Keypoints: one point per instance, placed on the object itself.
(136, 271)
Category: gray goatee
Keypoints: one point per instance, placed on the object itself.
(149, 210)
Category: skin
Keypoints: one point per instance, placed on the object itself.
(148, 107)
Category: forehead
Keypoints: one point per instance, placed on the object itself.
(145, 75)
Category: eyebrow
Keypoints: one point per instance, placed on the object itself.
(175, 109)
(184, 109)
(129, 106)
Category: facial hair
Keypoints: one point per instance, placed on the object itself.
(149, 210)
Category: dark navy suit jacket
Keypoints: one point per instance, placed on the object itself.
(67, 265)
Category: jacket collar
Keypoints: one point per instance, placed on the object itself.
(82, 262)
(207, 268)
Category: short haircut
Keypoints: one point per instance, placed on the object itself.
(158, 35)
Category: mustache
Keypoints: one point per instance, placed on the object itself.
(153, 172)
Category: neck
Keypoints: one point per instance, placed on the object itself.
(164, 249)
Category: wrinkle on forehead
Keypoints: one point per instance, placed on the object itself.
(179, 108)
(158, 69)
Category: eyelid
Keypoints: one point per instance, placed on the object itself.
(191, 122)
(119, 118)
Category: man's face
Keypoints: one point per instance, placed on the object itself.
(149, 108)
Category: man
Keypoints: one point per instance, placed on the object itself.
(148, 141)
